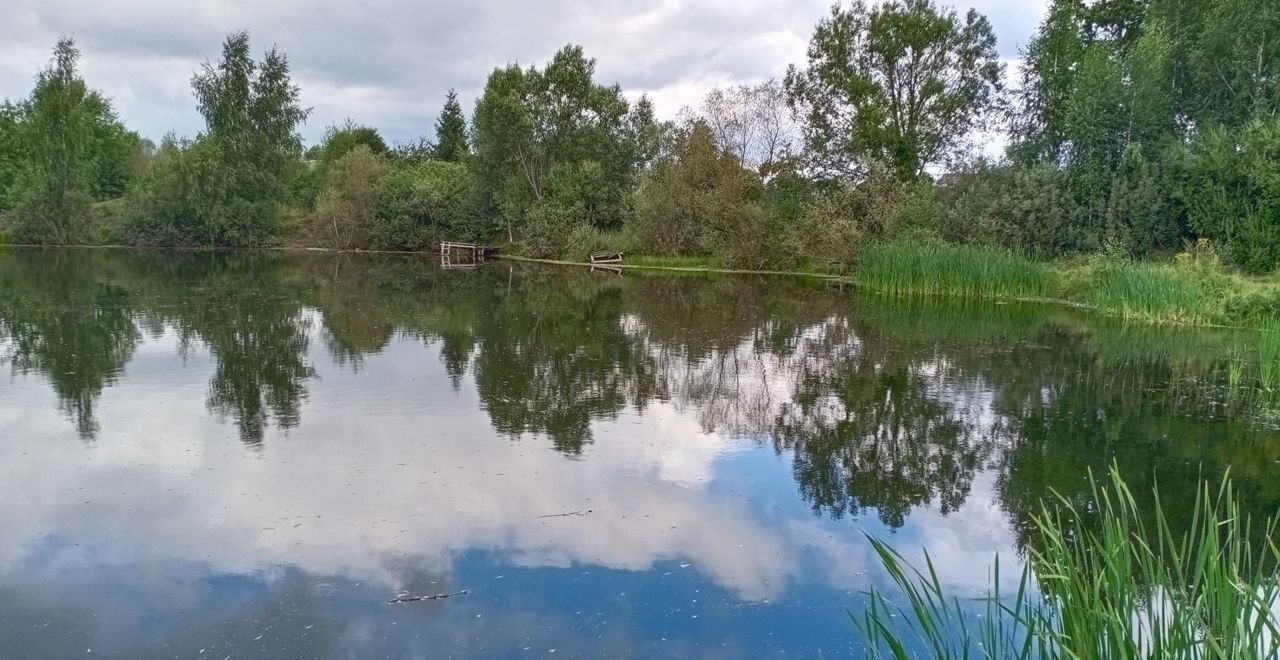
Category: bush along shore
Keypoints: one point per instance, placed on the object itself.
(1139, 179)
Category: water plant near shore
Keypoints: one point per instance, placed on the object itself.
(1193, 289)
(1104, 579)
(936, 268)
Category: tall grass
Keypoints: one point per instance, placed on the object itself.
(1101, 583)
(1152, 292)
(1192, 289)
(936, 268)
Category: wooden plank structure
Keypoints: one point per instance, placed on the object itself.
(457, 254)
(606, 257)
(608, 270)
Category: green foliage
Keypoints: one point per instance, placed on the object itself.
(1159, 293)
(903, 83)
(1231, 52)
(338, 142)
(420, 204)
(935, 268)
(12, 153)
(348, 202)
(63, 122)
(113, 151)
(55, 189)
(699, 199)
(1031, 208)
(342, 140)
(1049, 65)
(1143, 218)
(1101, 582)
(534, 129)
(170, 206)
(1092, 85)
(451, 131)
(1231, 189)
(546, 227)
(788, 194)
(229, 186)
(1098, 101)
(1039, 209)
(842, 217)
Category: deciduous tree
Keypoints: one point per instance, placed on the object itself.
(754, 123)
(904, 83)
(531, 123)
(57, 131)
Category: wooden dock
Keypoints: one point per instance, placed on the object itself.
(457, 254)
(606, 257)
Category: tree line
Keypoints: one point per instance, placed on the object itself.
(1132, 127)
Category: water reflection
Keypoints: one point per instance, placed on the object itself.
(63, 321)
(414, 428)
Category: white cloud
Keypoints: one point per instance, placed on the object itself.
(388, 63)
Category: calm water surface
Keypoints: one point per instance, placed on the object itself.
(247, 456)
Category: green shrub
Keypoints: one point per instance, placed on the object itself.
(834, 226)
(582, 240)
(694, 201)
(546, 226)
(1142, 216)
(106, 223)
(1229, 184)
(184, 200)
(425, 202)
(744, 236)
(1032, 209)
(348, 203)
(193, 197)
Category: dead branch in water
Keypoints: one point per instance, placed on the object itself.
(571, 513)
(408, 598)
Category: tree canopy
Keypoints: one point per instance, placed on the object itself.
(545, 136)
(451, 131)
(227, 188)
(54, 188)
(904, 83)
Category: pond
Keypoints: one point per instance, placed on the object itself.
(222, 455)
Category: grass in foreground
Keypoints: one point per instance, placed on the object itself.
(1116, 588)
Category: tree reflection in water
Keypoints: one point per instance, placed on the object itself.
(882, 407)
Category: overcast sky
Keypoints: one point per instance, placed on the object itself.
(388, 63)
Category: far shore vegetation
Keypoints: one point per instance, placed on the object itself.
(1139, 178)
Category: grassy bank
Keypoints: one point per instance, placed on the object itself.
(1193, 288)
(1104, 580)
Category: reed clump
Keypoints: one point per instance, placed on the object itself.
(1103, 581)
(950, 269)
(1193, 288)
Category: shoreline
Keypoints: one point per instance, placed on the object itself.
(849, 279)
